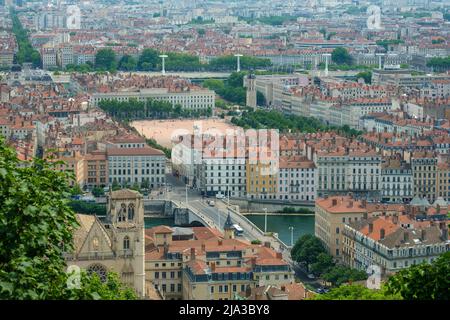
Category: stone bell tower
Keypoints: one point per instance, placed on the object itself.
(125, 224)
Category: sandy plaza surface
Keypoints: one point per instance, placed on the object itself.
(163, 131)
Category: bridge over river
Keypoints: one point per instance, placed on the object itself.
(199, 210)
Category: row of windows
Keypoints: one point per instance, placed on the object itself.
(136, 171)
(164, 275)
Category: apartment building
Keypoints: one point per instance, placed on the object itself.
(443, 181)
(296, 179)
(396, 180)
(424, 167)
(64, 56)
(345, 170)
(350, 113)
(262, 168)
(95, 170)
(332, 213)
(196, 100)
(209, 266)
(393, 243)
(129, 166)
(49, 58)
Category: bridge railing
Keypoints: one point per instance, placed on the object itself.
(243, 217)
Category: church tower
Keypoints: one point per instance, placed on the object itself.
(251, 91)
(125, 223)
(228, 228)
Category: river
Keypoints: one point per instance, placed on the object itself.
(281, 223)
(275, 223)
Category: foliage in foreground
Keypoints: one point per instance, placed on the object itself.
(356, 292)
(36, 226)
(424, 281)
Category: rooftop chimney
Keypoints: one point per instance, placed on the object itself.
(283, 288)
(220, 242)
(364, 203)
(382, 233)
(203, 247)
(192, 253)
(213, 266)
(370, 227)
(395, 218)
(279, 255)
(406, 236)
(423, 235)
(267, 244)
(334, 202)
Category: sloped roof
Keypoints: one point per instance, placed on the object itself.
(125, 194)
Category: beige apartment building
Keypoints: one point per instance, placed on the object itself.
(208, 265)
(443, 181)
(95, 169)
(424, 168)
(332, 213)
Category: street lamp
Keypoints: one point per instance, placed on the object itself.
(163, 57)
(265, 220)
(327, 56)
(380, 64)
(238, 56)
(292, 235)
(186, 194)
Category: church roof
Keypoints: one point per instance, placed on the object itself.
(80, 234)
(125, 194)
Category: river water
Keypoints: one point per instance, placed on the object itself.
(275, 223)
(281, 223)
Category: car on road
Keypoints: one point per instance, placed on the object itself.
(211, 203)
(311, 276)
(220, 196)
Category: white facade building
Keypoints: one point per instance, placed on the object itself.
(296, 179)
(128, 166)
(190, 100)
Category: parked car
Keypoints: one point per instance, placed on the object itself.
(220, 196)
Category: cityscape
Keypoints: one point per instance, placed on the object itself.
(245, 150)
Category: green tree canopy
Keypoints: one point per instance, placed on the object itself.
(424, 281)
(148, 59)
(356, 292)
(127, 63)
(307, 249)
(338, 275)
(36, 227)
(341, 56)
(323, 264)
(366, 75)
(105, 59)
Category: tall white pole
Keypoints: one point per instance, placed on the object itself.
(238, 56)
(163, 57)
(327, 56)
(186, 194)
(265, 220)
(292, 235)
